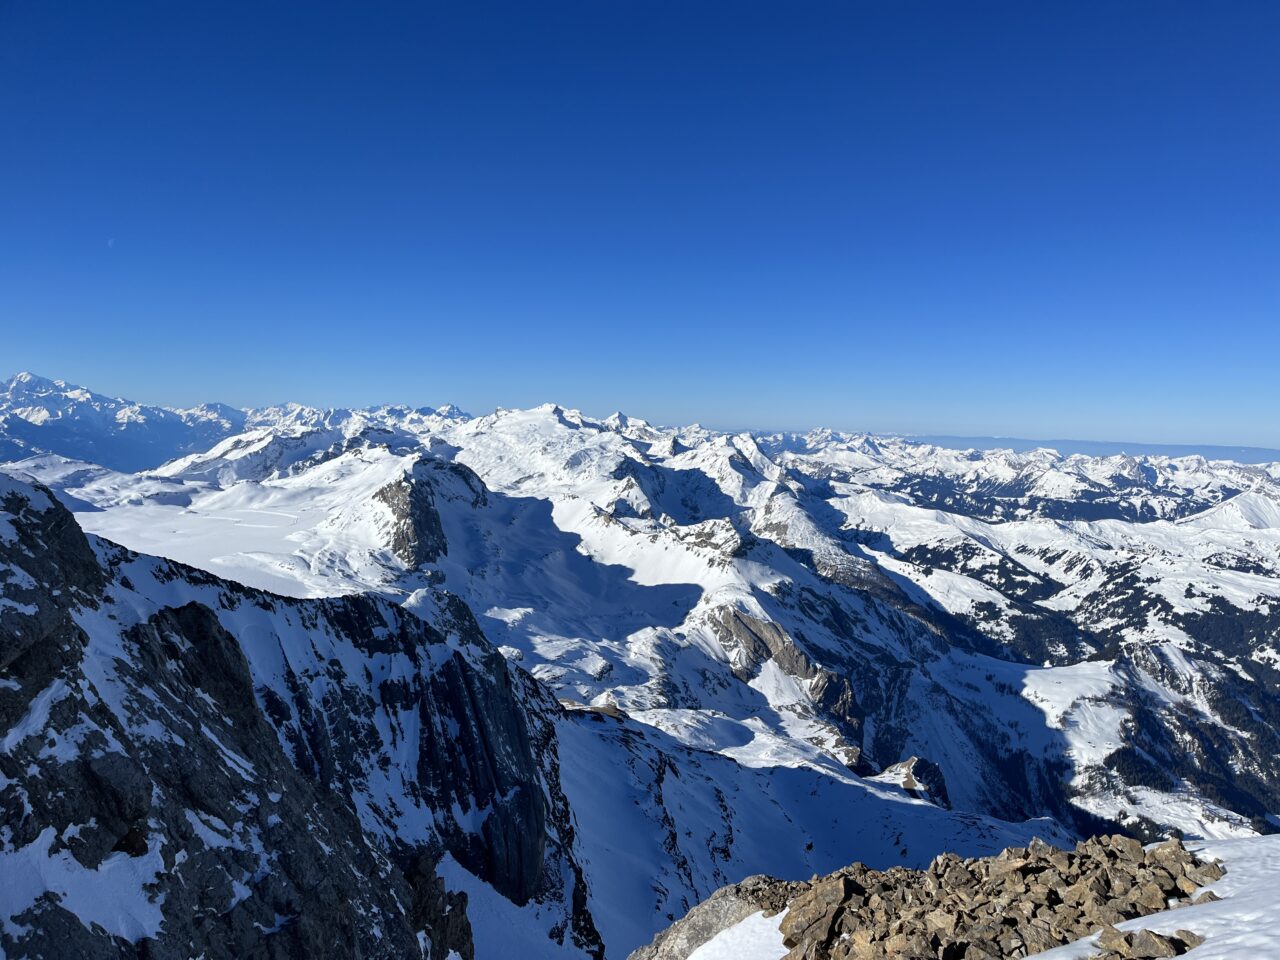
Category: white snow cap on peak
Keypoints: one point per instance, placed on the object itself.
(26, 382)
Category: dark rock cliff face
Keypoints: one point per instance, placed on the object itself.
(416, 536)
(44, 545)
(217, 771)
(194, 806)
(756, 641)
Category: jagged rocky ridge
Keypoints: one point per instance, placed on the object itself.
(1021, 902)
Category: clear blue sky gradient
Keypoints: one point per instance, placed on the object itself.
(1036, 219)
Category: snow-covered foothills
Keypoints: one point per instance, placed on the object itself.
(772, 653)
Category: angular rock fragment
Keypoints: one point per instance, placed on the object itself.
(1020, 902)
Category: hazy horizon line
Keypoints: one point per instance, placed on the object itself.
(1243, 453)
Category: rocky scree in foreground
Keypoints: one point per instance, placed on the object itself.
(1020, 902)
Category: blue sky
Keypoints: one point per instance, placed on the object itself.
(1051, 219)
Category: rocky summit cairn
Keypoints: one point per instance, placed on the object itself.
(1019, 902)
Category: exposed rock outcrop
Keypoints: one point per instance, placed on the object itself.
(1023, 901)
(1144, 944)
(919, 777)
(416, 536)
(754, 641)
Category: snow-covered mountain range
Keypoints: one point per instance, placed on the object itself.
(685, 656)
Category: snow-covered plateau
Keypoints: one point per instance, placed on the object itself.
(418, 682)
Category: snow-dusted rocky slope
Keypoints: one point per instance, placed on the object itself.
(1010, 635)
(198, 764)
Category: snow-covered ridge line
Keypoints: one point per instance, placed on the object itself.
(41, 402)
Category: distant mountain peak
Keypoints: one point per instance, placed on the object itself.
(26, 382)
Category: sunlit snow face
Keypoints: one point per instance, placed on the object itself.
(603, 553)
